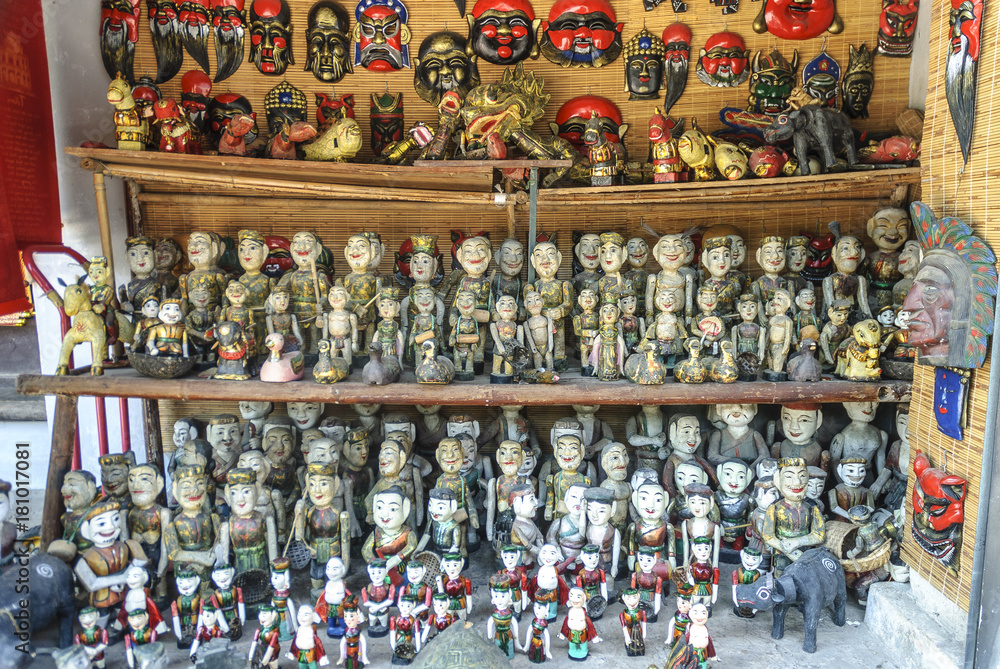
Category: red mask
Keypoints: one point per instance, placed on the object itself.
(937, 496)
(279, 256)
(122, 15)
(331, 109)
(723, 61)
(677, 37)
(194, 12)
(572, 117)
(767, 161)
(502, 32)
(582, 33)
(197, 86)
(966, 17)
(228, 14)
(896, 149)
(896, 26)
(798, 19)
(381, 35)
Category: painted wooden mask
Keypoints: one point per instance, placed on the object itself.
(223, 108)
(502, 32)
(329, 109)
(938, 511)
(229, 20)
(859, 82)
(676, 59)
(386, 120)
(145, 93)
(581, 33)
(794, 19)
(724, 60)
(284, 104)
(381, 36)
(271, 36)
(194, 17)
(328, 41)
(644, 66)
(443, 65)
(165, 30)
(119, 33)
(771, 82)
(196, 88)
(821, 79)
(896, 27)
(572, 118)
(960, 73)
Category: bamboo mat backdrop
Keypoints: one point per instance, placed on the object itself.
(969, 194)
(699, 100)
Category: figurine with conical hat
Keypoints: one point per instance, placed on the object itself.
(281, 597)
(354, 645)
(388, 333)
(681, 619)
(501, 628)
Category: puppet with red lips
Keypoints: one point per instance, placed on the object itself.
(229, 20)
(724, 60)
(798, 19)
(938, 511)
(381, 36)
(194, 18)
(502, 32)
(271, 36)
(581, 33)
(119, 34)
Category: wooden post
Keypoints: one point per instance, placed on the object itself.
(154, 444)
(532, 219)
(104, 223)
(60, 462)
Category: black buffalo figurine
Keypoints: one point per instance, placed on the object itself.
(812, 582)
(817, 130)
(50, 583)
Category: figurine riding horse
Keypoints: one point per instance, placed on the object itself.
(87, 327)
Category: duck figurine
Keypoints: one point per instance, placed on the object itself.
(644, 366)
(691, 369)
(805, 366)
(281, 367)
(380, 370)
(723, 369)
(329, 369)
(434, 368)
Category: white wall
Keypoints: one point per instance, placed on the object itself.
(921, 52)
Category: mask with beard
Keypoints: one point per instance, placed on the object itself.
(328, 42)
(381, 36)
(859, 82)
(896, 27)
(229, 25)
(723, 61)
(961, 68)
(572, 117)
(442, 65)
(119, 33)
(771, 82)
(284, 104)
(194, 30)
(794, 19)
(677, 42)
(386, 120)
(581, 33)
(820, 79)
(644, 66)
(221, 111)
(165, 29)
(196, 88)
(502, 32)
(271, 36)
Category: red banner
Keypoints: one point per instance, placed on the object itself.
(29, 189)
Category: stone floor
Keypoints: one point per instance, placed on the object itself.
(742, 643)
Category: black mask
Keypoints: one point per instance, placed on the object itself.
(328, 42)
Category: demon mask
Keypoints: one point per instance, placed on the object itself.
(581, 33)
(502, 32)
(330, 109)
(962, 63)
(644, 66)
(165, 30)
(795, 19)
(194, 18)
(938, 511)
(771, 82)
(328, 41)
(119, 33)
(443, 65)
(381, 36)
(859, 81)
(821, 79)
(677, 55)
(572, 117)
(896, 27)
(271, 36)
(724, 60)
(196, 88)
(229, 21)
(221, 111)
(820, 264)
(386, 120)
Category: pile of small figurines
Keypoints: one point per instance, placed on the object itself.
(820, 306)
(253, 500)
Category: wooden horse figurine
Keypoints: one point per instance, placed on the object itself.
(603, 162)
(87, 326)
(282, 144)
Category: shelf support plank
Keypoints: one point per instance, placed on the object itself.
(60, 462)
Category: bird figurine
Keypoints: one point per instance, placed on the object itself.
(805, 366)
(380, 370)
(540, 375)
(281, 367)
(723, 369)
(644, 366)
(434, 368)
(329, 369)
(692, 369)
(340, 142)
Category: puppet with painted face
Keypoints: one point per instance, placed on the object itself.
(229, 21)
(271, 36)
(677, 54)
(196, 89)
(381, 36)
(888, 228)
(724, 60)
(896, 27)
(821, 78)
(119, 34)
(771, 82)
(859, 82)
(165, 29)
(962, 64)
(502, 32)
(581, 33)
(223, 109)
(644, 66)
(573, 115)
(442, 65)
(328, 42)
(789, 19)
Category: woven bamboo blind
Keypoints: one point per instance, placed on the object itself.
(969, 194)
(699, 100)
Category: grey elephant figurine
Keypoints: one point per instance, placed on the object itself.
(814, 128)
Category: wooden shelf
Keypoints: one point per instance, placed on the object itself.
(128, 383)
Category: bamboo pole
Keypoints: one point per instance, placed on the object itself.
(104, 224)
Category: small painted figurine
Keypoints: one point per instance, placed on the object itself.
(329, 604)
(442, 617)
(392, 539)
(568, 530)
(323, 525)
(146, 520)
(420, 587)
(701, 572)
(807, 323)
(510, 260)
(210, 626)
(800, 423)
(474, 255)
(888, 228)
(651, 530)
(378, 596)
(236, 309)
(184, 609)
(539, 331)
(339, 326)
(143, 284)
(681, 619)
(593, 580)
(306, 286)
(404, 631)
(137, 596)
(139, 631)
(834, 333)
(499, 515)
(234, 351)
(780, 336)
(557, 295)
(465, 336)
(361, 283)
(569, 456)
(281, 597)
(450, 457)
(697, 635)
(508, 338)
(667, 164)
(92, 637)
(746, 574)
(444, 533)
(131, 127)
(88, 325)
(732, 500)
(279, 321)
(615, 463)
(647, 582)
(646, 432)
(457, 587)
(501, 628)
(738, 439)
(577, 627)
(203, 252)
(608, 355)
(388, 333)
(524, 532)
(548, 584)
(693, 368)
(862, 352)
(228, 600)
(791, 525)
(266, 647)
(102, 568)
(845, 283)
(200, 321)
(851, 491)
(536, 638)
(585, 327)
(354, 646)
(633, 622)
(601, 507)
